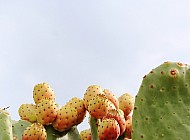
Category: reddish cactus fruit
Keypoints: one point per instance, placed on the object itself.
(78, 104)
(126, 103)
(98, 106)
(91, 91)
(43, 90)
(86, 134)
(108, 129)
(66, 118)
(128, 130)
(35, 131)
(28, 112)
(111, 97)
(118, 115)
(111, 105)
(46, 111)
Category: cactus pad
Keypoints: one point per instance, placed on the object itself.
(162, 105)
(5, 125)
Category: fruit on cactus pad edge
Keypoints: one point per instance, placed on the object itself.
(98, 106)
(28, 112)
(91, 91)
(35, 131)
(66, 118)
(78, 104)
(108, 129)
(46, 111)
(43, 90)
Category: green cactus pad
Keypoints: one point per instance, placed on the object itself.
(73, 134)
(53, 134)
(93, 127)
(162, 105)
(18, 127)
(5, 126)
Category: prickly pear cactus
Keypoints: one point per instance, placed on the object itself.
(5, 125)
(162, 105)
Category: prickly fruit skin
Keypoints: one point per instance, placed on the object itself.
(98, 106)
(5, 125)
(108, 129)
(35, 131)
(91, 91)
(28, 112)
(86, 134)
(162, 105)
(128, 130)
(43, 90)
(118, 115)
(126, 103)
(78, 104)
(111, 97)
(66, 118)
(46, 111)
(111, 105)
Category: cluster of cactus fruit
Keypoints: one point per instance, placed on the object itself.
(160, 110)
(46, 120)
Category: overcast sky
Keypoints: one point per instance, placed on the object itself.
(74, 44)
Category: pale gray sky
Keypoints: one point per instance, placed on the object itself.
(74, 44)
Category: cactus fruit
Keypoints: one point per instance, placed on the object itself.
(162, 105)
(43, 90)
(128, 130)
(46, 111)
(98, 106)
(108, 129)
(18, 127)
(126, 103)
(5, 125)
(111, 105)
(118, 115)
(111, 97)
(86, 134)
(28, 112)
(66, 118)
(46, 120)
(35, 131)
(91, 91)
(78, 104)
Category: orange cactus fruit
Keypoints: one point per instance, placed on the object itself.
(46, 111)
(98, 106)
(78, 104)
(126, 103)
(43, 90)
(108, 129)
(91, 91)
(111, 97)
(118, 115)
(35, 131)
(66, 118)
